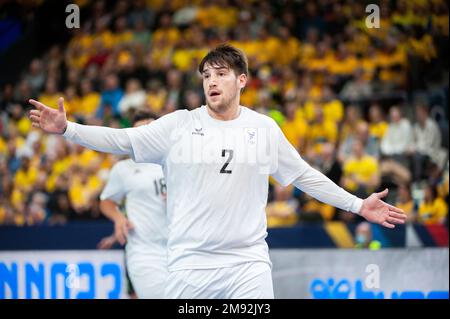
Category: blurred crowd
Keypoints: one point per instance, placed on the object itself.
(358, 103)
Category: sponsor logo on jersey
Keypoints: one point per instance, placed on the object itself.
(198, 131)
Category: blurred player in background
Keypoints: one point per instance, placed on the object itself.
(144, 228)
(217, 159)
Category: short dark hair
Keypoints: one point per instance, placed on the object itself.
(227, 56)
(143, 115)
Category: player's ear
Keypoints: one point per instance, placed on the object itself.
(242, 81)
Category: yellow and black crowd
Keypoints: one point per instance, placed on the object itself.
(363, 105)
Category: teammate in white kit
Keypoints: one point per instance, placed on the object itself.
(217, 160)
(143, 188)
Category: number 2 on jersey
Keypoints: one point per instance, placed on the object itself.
(223, 170)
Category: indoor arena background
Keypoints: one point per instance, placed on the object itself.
(360, 88)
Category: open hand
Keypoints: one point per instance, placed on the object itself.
(48, 119)
(376, 211)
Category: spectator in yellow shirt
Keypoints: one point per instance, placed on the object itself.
(369, 63)
(26, 175)
(361, 173)
(294, 127)
(289, 50)
(249, 95)
(183, 55)
(433, 209)
(83, 191)
(89, 100)
(102, 36)
(443, 185)
(343, 63)
(122, 33)
(77, 56)
(322, 58)
(17, 126)
(217, 15)
(269, 46)
(166, 32)
(393, 62)
(377, 125)
(309, 46)
(333, 108)
(71, 99)
(282, 210)
(409, 13)
(421, 45)
(320, 131)
(156, 96)
(439, 18)
(313, 210)
(51, 95)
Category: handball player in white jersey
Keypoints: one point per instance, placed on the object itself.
(144, 230)
(217, 160)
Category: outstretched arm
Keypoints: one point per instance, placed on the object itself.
(292, 169)
(372, 208)
(103, 139)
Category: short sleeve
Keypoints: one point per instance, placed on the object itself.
(288, 164)
(115, 186)
(152, 142)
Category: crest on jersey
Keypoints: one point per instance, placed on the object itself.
(250, 135)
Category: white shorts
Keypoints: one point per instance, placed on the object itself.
(148, 278)
(251, 280)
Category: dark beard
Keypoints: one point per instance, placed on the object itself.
(221, 107)
(218, 109)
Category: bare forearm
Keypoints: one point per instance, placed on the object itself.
(110, 209)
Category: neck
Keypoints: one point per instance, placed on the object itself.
(228, 114)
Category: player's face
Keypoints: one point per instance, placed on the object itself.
(221, 87)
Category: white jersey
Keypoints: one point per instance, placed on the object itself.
(217, 181)
(142, 186)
